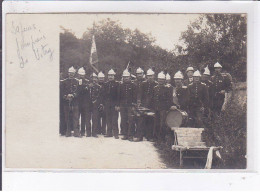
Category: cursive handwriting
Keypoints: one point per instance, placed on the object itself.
(20, 29)
(42, 50)
(30, 41)
(22, 61)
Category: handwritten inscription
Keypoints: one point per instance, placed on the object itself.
(30, 42)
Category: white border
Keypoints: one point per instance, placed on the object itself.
(159, 179)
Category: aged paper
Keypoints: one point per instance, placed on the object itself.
(35, 60)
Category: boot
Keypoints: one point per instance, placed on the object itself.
(138, 139)
(130, 139)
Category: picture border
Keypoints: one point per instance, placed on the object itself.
(148, 7)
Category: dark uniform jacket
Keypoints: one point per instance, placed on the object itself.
(148, 93)
(126, 94)
(110, 93)
(61, 90)
(138, 88)
(161, 98)
(70, 86)
(84, 93)
(188, 81)
(220, 82)
(169, 94)
(209, 84)
(182, 95)
(102, 90)
(95, 94)
(198, 95)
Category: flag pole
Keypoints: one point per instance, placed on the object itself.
(127, 65)
(93, 45)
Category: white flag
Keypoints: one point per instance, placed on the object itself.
(93, 60)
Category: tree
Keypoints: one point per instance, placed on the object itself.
(216, 37)
(68, 51)
(116, 46)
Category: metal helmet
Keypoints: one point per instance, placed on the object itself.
(168, 77)
(196, 74)
(161, 75)
(93, 75)
(178, 75)
(101, 74)
(150, 72)
(72, 70)
(190, 69)
(139, 70)
(126, 73)
(81, 71)
(217, 65)
(111, 72)
(206, 71)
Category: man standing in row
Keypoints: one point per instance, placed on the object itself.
(169, 89)
(62, 118)
(198, 100)
(161, 105)
(110, 93)
(221, 85)
(189, 73)
(127, 97)
(180, 94)
(84, 99)
(95, 99)
(138, 120)
(69, 92)
(101, 107)
(205, 78)
(147, 101)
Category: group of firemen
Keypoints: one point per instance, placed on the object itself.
(92, 107)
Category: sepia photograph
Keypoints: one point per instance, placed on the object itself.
(130, 95)
(154, 91)
(126, 91)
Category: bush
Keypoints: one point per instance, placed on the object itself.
(229, 131)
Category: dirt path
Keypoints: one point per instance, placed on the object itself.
(84, 153)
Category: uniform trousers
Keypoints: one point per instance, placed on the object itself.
(62, 119)
(111, 120)
(217, 103)
(74, 111)
(92, 114)
(196, 115)
(126, 121)
(148, 126)
(82, 114)
(159, 125)
(138, 128)
(102, 122)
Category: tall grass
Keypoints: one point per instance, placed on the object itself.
(229, 130)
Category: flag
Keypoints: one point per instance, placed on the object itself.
(93, 60)
(129, 68)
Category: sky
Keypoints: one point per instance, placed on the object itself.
(166, 28)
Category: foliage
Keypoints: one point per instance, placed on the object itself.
(211, 38)
(216, 37)
(229, 131)
(116, 46)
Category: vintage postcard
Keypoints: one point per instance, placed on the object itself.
(116, 89)
(126, 90)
